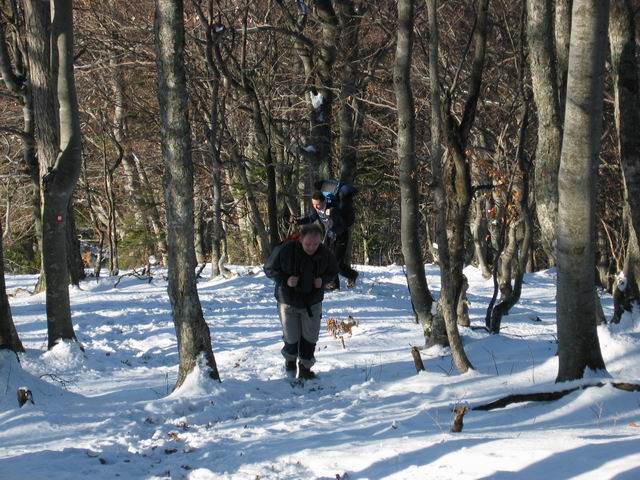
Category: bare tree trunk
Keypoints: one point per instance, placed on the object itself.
(544, 79)
(445, 327)
(212, 133)
(194, 340)
(626, 288)
(578, 346)
(59, 182)
(74, 255)
(348, 45)
(198, 233)
(263, 144)
(8, 335)
(479, 231)
(263, 236)
(266, 155)
(622, 41)
(16, 82)
(458, 169)
(152, 210)
(348, 122)
(562, 30)
(603, 260)
(38, 31)
(136, 183)
(513, 260)
(409, 197)
(321, 96)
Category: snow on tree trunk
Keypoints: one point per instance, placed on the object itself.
(191, 329)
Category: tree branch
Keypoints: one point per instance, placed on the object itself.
(549, 396)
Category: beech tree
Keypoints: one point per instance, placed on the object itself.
(409, 198)
(622, 41)
(544, 81)
(49, 28)
(578, 346)
(15, 79)
(450, 276)
(194, 339)
(8, 335)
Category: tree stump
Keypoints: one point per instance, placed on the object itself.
(458, 415)
(417, 359)
(24, 396)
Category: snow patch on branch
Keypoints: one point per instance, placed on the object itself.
(317, 99)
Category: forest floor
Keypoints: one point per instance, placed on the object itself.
(109, 412)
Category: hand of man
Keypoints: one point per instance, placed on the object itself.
(317, 283)
(293, 220)
(292, 281)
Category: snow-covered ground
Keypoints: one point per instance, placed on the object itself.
(109, 412)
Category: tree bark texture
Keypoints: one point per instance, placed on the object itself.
(135, 183)
(254, 208)
(445, 327)
(213, 159)
(544, 80)
(409, 197)
(480, 231)
(194, 341)
(40, 74)
(16, 82)
(350, 26)
(60, 180)
(562, 30)
(578, 346)
(627, 104)
(457, 171)
(512, 262)
(8, 334)
(322, 111)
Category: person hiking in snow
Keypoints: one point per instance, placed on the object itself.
(335, 221)
(300, 269)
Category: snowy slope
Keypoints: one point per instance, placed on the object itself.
(109, 412)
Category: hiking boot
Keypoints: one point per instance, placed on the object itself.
(290, 366)
(331, 287)
(305, 373)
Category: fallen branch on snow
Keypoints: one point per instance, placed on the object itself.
(549, 396)
(460, 411)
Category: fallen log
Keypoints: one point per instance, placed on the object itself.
(550, 396)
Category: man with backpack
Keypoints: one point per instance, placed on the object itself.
(334, 210)
(300, 269)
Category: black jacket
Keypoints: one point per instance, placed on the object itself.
(290, 260)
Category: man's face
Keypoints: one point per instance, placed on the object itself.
(310, 243)
(317, 204)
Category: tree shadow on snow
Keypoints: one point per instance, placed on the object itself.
(574, 462)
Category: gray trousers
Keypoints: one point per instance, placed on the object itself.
(300, 332)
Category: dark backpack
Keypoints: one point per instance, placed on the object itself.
(339, 195)
(269, 266)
